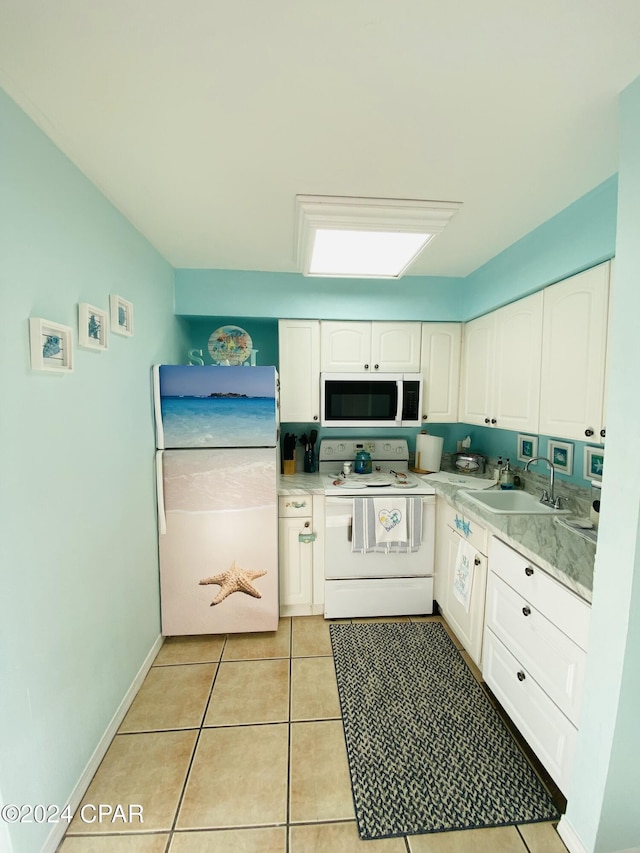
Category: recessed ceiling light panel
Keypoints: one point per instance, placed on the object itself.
(350, 237)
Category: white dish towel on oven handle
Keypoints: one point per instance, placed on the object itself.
(363, 539)
(390, 520)
(463, 573)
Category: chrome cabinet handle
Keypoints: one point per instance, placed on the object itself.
(477, 561)
(528, 571)
(526, 611)
(521, 676)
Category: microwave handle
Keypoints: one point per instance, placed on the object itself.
(399, 383)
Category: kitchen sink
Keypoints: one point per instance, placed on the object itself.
(513, 502)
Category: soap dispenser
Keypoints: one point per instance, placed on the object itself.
(507, 477)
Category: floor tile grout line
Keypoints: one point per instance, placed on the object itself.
(195, 750)
(287, 841)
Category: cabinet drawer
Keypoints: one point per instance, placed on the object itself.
(471, 530)
(549, 733)
(294, 506)
(561, 606)
(556, 662)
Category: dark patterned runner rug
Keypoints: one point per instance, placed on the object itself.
(427, 751)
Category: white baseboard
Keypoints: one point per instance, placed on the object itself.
(55, 836)
(568, 834)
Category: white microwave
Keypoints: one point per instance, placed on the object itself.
(371, 400)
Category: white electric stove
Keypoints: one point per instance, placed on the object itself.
(390, 464)
(366, 578)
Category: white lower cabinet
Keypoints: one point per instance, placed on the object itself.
(535, 650)
(466, 621)
(300, 543)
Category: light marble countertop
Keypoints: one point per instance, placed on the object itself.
(560, 552)
(300, 484)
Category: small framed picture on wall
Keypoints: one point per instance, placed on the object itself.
(92, 327)
(561, 454)
(593, 463)
(121, 315)
(527, 447)
(51, 346)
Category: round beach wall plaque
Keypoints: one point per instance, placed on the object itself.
(230, 345)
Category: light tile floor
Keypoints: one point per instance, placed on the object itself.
(235, 744)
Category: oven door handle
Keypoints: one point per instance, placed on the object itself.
(338, 512)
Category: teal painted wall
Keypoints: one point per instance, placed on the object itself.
(79, 608)
(603, 798)
(242, 293)
(579, 237)
(262, 331)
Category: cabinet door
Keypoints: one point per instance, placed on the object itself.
(476, 390)
(299, 370)
(440, 367)
(395, 347)
(550, 734)
(547, 654)
(573, 355)
(345, 347)
(468, 625)
(517, 359)
(441, 567)
(296, 564)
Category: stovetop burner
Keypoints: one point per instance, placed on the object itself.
(374, 481)
(390, 473)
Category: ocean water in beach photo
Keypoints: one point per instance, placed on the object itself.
(219, 421)
(219, 480)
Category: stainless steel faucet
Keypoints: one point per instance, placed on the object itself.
(548, 497)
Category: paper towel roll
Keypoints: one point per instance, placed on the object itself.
(428, 453)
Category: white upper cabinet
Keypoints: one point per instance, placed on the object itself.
(396, 347)
(345, 347)
(517, 358)
(356, 347)
(476, 388)
(574, 356)
(440, 367)
(299, 370)
(501, 367)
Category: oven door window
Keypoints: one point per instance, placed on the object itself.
(361, 400)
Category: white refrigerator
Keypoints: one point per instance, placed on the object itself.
(216, 475)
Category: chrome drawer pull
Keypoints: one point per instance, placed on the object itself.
(528, 571)
(526, 611)
(521, 676)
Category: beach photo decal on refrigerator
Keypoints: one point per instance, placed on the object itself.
(217, 406)
(235, 579)
(219, 555)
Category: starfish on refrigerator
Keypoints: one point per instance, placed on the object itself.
(234, 579)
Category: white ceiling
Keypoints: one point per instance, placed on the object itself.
(201, 120)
